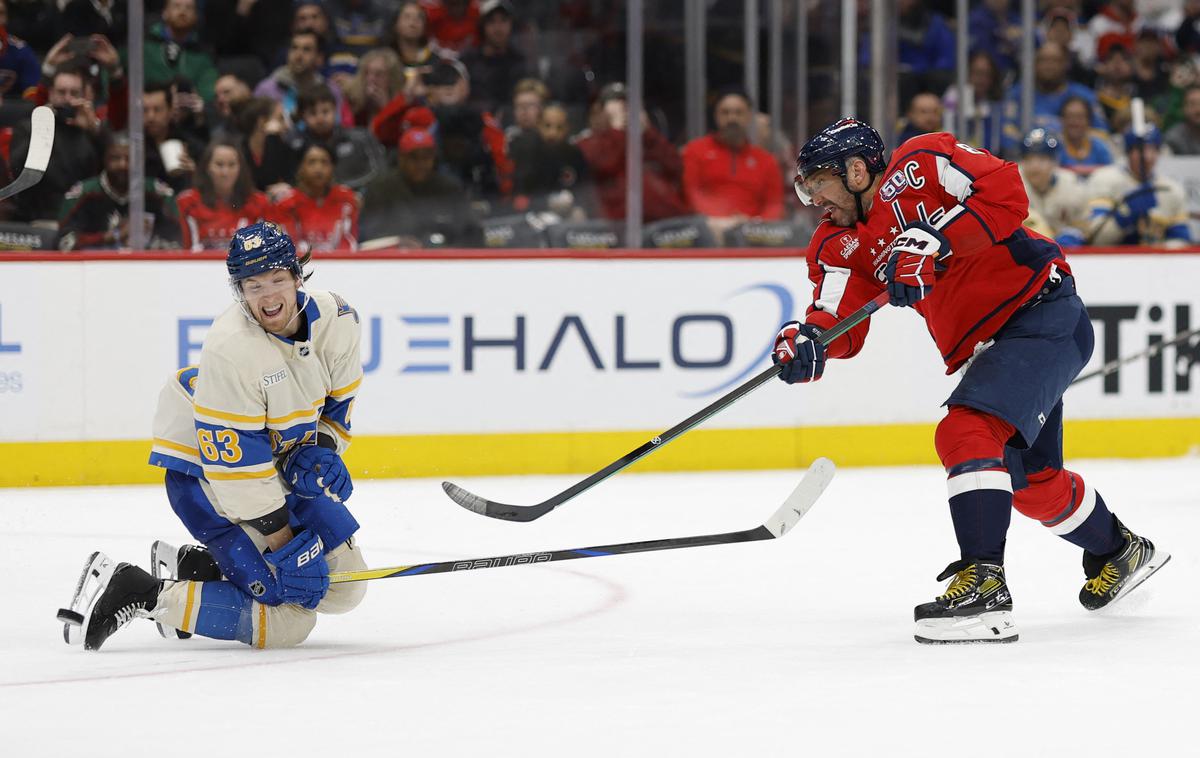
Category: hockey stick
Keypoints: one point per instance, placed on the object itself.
(41, 142)
(815, 480)
(524, 513)
(1149, 352)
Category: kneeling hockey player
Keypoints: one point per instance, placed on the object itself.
(251, 441)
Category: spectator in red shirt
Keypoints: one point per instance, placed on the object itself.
(453, 23)
(604, 149)
(222, 200)
(317, 212)
(726, 177)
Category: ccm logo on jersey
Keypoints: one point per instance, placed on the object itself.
(901, 180)
(275, 378)
(311, 555)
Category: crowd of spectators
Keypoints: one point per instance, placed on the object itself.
(1091, 176)
(428, 123)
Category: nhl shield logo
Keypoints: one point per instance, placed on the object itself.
(257, 589)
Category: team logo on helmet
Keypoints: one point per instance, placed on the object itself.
(251, 243)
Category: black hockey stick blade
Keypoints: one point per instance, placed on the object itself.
(525, 513)
(785, 517)
(41, 142)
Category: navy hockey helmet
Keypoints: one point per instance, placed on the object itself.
(830, 147)
(1040, 142)
(260, 247)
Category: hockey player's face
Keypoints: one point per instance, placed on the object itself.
(271, 299)
(826, 191)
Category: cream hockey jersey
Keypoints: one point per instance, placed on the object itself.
(1166, 223)
(253, 397)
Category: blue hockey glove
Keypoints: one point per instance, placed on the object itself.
(313, 470)
(1140, 201)
(797, 350)
(917, 255)
(300, 570)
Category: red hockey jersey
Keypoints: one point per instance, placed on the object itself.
(978, 202)
(206, 228)
(330, 223)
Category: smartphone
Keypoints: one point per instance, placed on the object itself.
(66, 111)
(80, 46)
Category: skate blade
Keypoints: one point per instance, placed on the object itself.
(97, 570)
(164, 564)
(1156, 562)
(987, 628)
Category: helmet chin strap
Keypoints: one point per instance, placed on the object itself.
(299, 310)
(858, 202)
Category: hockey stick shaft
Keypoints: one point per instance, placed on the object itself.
(492, 509)
(37, 157)
(1150, 352)
(785, 517)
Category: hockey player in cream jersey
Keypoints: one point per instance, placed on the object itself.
(251, 440)
(1131, 204)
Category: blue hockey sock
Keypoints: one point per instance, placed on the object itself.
(225, 613)
(1089, 524)
(981, 518)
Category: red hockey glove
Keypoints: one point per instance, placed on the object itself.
(797, 349)
(917, 255)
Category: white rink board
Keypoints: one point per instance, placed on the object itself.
(85, 346)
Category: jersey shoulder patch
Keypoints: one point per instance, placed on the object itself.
(186, 377)
(343, 308)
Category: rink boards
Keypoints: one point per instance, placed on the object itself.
(536, 364)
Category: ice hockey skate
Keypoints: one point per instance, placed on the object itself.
(976, 607)
(107, 596)
(1112, 577)
(188, 563)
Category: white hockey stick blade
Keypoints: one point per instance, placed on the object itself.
(41, 139)
(818, 477)
(41, 143)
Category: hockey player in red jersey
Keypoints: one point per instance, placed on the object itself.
(939, 227)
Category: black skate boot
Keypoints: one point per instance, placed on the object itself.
(976, 607)
(108, 596)
(1113, 576)
(188, 563)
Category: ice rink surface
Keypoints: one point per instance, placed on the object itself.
(801, 646)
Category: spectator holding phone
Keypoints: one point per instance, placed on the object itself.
(76, 154)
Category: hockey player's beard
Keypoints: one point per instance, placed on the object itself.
(287, 330)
